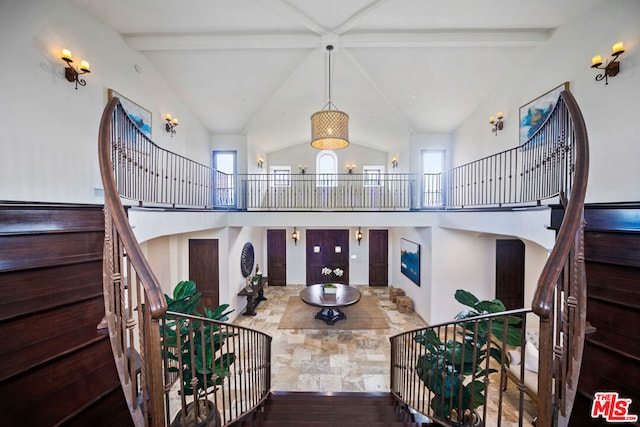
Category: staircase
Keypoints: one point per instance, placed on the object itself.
(57, 367)
(294, 409)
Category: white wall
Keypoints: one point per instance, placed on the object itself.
(304, 154)
(420, 295)
(429, 142)
(610, 111)
(48, 150)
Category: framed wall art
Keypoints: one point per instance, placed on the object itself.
(534, 113)
(410, 260)
(141, 116)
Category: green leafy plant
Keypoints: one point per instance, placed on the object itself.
(454, 370)
(197, 345)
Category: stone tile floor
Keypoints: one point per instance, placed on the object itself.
(328, 360)
(345, 360)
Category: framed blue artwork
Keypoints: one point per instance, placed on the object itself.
(410, 260)
(534, 113)
(140, 116)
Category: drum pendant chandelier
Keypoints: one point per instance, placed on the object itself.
(329, 126)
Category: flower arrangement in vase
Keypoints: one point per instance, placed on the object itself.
(329, 288)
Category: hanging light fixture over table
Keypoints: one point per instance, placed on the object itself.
(329, 126)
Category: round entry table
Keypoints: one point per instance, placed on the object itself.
(330, 303)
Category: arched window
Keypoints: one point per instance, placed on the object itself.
(326, 169)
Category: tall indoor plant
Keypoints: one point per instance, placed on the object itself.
(453, 369)
(197, 346)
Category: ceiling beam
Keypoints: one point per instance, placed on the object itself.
(353, 20)
(446, 38)
(296, 14)
(154, 42)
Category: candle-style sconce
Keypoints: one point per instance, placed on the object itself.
(302, 169)
(359, 235)
(295, 235)
(612, 67)
(350, 167)
(498, 124)
(171, 124)
(394, 162)
(260, 161)
(72, 73)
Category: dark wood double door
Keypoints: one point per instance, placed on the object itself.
(327, 248)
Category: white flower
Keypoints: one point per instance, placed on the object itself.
(326, 271)
(338, 272)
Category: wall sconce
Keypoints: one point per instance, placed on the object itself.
(295, 236)
(260, 161)
(497, 124)
(303, 168)
(72, 73)
(612, 66)
(359, 235)
(171, 124)
(394, 162)
(351, 167)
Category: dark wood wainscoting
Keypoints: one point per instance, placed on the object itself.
(57, 367)
(277, 257)
(611, 360)
(378, 257)
(327, 248)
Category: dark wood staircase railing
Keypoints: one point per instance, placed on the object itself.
(560, 297)
(136, 312)
(559, 300)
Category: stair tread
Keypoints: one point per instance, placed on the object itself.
(338, 408)
(346, 423)
(317, 409)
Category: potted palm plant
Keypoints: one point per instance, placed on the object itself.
(198, 348)
(453, 369)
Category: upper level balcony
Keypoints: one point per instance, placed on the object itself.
(538, 170)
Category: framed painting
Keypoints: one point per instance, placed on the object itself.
(410, 260)
(533, 114)
(141, 116)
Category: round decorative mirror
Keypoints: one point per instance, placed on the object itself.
(246, 259)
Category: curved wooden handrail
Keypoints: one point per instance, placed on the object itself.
(573, 218)
(154, 295)
(150, 366)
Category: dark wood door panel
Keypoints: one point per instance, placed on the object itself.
(510, 273)
(378, 257)
(204, 270)
(277, 257)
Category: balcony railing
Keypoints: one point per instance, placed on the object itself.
(334, 192)
(538, 170)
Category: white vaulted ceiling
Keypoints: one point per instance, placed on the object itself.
(400, 66)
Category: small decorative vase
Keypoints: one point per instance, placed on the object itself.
(329, 289)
